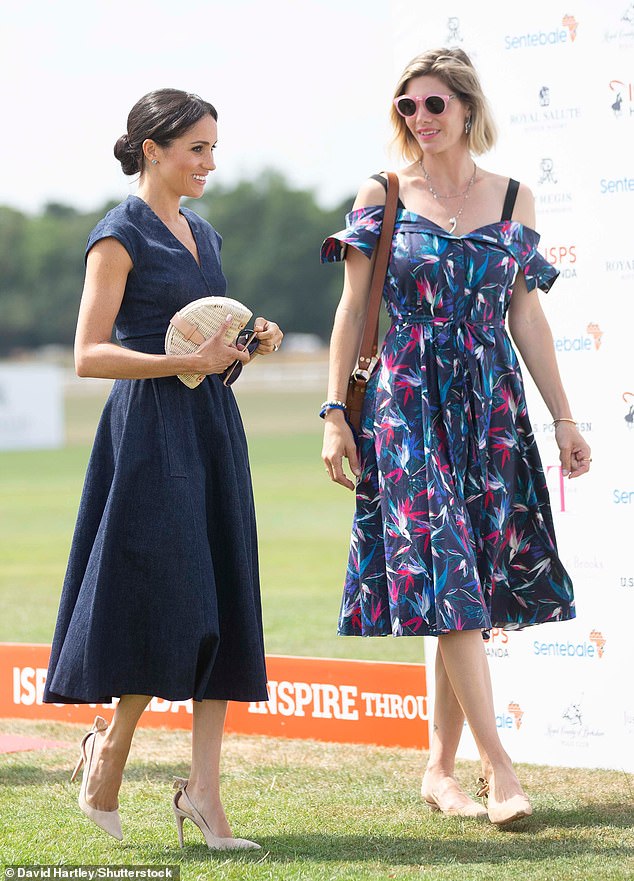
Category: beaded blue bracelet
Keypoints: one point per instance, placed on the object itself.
(331, 405)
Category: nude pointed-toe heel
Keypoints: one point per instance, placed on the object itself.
(185, 810)
(109, 821)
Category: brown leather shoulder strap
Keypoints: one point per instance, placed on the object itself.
(369, 343)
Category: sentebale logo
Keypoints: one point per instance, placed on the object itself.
(517, 712)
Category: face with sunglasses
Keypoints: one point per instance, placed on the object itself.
(433, 113)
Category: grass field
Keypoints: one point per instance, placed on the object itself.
(323, 812)
(303, 522)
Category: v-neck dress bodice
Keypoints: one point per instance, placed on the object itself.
(453, 528)
(161, 594)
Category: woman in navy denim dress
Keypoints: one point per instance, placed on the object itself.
(161, 596)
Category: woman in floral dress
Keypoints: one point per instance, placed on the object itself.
(453, 532)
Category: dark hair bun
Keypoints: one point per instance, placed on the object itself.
(127, 155)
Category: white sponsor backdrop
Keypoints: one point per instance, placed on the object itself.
(560, 81)
(31, 407)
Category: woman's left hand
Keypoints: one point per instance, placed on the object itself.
(269, 335)
(574, 452)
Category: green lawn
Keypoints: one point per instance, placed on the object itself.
(304, 524)
(323, 812)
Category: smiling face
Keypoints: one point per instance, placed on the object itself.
(434, 132)
(183, 166)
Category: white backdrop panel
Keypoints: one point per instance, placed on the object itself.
(560, 82)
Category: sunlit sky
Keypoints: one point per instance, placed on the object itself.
(300, 86)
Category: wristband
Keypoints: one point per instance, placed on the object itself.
(331, 405)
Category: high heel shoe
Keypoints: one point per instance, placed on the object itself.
(185, 810)
(109, 821)
(471, 809)
(515, 808)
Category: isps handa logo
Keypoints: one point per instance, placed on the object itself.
(628, 416)
(621, 99)
(563, 258)
(586, 341)
(497, 645)
(591, 649)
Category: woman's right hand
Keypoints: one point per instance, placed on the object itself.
(339, 445)
(215, 355)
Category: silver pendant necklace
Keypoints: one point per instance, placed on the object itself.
(453, 221)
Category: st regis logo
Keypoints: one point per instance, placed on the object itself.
(453, 31)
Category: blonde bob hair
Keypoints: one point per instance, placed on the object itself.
(454, 68)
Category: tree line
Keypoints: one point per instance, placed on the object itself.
(270, 255)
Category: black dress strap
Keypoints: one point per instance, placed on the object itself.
(383, 183)
(509, 200)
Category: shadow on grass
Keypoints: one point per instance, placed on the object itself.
(324, 848)
(598, 814)
(444, 841)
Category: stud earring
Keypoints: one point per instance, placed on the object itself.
(155, 162)
(467, 125)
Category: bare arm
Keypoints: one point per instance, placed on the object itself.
(532, 335)
(107, 269)
(344, 348)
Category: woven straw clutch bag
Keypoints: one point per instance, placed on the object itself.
(199, 320)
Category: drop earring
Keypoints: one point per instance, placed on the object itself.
(467, 125)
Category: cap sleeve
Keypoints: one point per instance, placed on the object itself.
(362, 231)
(538, 272)
(112, 228)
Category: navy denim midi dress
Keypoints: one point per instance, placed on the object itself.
(161, 595)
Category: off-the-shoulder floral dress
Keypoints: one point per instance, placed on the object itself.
(453, 528)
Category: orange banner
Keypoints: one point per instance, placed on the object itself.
(309, 698)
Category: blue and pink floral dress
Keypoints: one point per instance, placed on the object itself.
(453, 528)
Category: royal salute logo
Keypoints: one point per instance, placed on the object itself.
(546, 112)
(517, 713)
(623, 267)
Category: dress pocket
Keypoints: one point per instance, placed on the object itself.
(172, 413)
